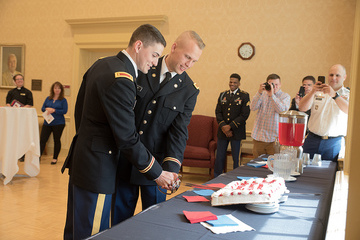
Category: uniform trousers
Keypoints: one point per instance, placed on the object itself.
(126, 197)
(45, 134)
(220, 160)
(328, 148)
(87, 213)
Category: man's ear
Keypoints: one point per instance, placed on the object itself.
(138, 45)
(173, 47)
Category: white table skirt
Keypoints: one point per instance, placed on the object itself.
(19, 135)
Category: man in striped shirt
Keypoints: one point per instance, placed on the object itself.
(269, 101)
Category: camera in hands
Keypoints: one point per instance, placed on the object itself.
(268, 87)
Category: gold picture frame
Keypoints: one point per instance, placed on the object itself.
(12, 61)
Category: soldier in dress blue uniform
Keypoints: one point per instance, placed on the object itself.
(105, 124)
(232, 111)
(163, 110)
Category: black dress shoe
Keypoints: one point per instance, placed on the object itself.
(53, 163)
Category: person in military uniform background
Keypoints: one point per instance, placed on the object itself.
(162, 113)
(105, 124)
(232, 111)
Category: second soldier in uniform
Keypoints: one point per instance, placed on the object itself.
(166, 98)
(232, 111)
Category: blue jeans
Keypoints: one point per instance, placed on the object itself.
(220, 160)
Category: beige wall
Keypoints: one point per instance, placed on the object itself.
(292, 38)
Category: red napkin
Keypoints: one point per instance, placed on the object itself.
(219, 185)
(196, 199)
(195, 217)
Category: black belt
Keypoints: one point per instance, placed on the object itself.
(323, 137)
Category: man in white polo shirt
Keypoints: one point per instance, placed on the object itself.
(329, 105)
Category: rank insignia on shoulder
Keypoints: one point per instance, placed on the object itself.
(124, 75)
(196, 86)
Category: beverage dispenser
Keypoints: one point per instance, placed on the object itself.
(292, 129)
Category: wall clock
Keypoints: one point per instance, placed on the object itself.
(246, 51)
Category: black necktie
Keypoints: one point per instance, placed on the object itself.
(167, 78)
(231, 96)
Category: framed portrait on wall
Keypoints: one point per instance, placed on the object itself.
(12, 62)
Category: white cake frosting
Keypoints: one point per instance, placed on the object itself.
(254, 190)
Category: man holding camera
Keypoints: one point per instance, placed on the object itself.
(306, 87)
(329, 104)
(269, 101)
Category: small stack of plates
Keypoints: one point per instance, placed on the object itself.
(263, 208)
(283, 198)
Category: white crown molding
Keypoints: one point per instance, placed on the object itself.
(110, 32)
(156, 20)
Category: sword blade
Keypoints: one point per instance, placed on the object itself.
(202, 186)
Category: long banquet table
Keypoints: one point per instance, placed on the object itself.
(302, 216)
(19, 135)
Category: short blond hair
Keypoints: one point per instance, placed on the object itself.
(193, 35)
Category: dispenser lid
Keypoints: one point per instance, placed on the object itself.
(293, 114)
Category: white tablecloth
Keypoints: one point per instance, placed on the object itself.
(19, 135)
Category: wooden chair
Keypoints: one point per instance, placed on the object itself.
(202, 143)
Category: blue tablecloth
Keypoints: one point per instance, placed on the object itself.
(302, 216)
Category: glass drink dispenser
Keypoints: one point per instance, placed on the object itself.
(292, 129)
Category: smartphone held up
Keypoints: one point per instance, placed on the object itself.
(321, 79)
(302, 91)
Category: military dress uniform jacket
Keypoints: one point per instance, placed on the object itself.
(233, 111)
(105, 123)
(162, 118)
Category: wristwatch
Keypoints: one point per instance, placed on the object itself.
(336, 96)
